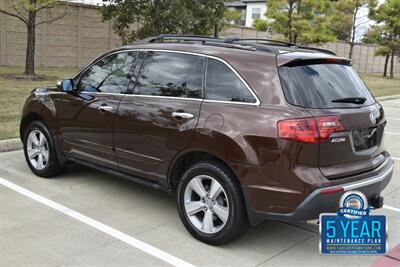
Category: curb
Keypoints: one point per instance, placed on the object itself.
(384, 98)
(10, 145)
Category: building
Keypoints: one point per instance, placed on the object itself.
(250, 10)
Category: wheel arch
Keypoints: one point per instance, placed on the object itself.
(28, 119)
(186, 159)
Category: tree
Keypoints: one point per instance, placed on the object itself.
(378, 35)
(260, 25)
(154, 17)
(27, 11)
(347, 20)
(300, 21)
(229, 16)
(387, 31)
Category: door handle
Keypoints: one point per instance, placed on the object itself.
(105, 108)
(183, 115)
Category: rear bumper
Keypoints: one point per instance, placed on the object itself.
(318, 202)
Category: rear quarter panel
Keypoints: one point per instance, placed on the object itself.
(276, 174)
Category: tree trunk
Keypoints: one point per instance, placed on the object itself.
(386, 65)
(216, 30)
(391, 64)
(156, 19)
(351, 49)
(298, 12)
(290, 21)
(353, 32)
(30, 44)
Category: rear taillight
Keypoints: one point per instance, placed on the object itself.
(309, 130)
(329, 125)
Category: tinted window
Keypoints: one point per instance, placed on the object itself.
(110, 75)
(171, 74)
(224, 85)
(315, 86)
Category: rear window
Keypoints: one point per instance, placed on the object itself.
(317, 85)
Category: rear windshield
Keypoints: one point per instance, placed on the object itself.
(317, 85)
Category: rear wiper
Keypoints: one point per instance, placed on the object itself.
(354, 100)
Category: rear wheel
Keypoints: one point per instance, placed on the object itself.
(210, 203)
(40, 151)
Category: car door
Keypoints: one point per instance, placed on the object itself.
(86, 115)
(158, 120)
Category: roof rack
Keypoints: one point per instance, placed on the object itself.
(260, 41)
(262, 44)
(178, 37)
(205, 40)
(287, 44)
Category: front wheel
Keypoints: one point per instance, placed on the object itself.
(210, 203)
(40, 151)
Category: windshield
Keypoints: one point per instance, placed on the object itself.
(323, 86)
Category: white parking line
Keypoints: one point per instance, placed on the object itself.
(398, 109)
(392, 133)
(98, 225)
(391, 118)
(390, 101)
(395, 158)
(391, 208)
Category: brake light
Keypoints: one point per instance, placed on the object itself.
(329, 125)
(309, 130)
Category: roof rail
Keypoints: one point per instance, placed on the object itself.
(205, 40)
(260, 40)
(262, 44)
(266, 42)
(178, 37)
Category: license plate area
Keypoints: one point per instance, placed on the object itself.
(365, 138)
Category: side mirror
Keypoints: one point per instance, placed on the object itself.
(65, 86)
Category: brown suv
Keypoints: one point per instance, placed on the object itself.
(240, 130)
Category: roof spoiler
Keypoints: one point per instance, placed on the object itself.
(299, 61)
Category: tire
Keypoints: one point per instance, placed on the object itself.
(43, 145)
(208, 221)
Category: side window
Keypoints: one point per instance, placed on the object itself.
(109, 75)
(171, 74)
(224, 85)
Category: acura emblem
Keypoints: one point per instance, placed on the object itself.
(372, 117)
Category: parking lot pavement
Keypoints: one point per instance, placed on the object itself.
(34, 234)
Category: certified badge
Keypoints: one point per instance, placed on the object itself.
(353, 230)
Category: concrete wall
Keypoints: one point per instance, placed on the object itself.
(80, 36)
(364, 59)
(71, 41)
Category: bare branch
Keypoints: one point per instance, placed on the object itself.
(49, 5)
(363, 16)
(16, 10)
(52, 19)
(15, 16)
(361, 23)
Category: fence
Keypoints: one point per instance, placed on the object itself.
(76, 39)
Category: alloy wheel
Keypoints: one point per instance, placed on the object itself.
(37, 149)
(206, 204)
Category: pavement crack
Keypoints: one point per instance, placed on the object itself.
(301, 227)
(283, 251)
(391, 192)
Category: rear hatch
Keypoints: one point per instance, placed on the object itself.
(330, 88)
